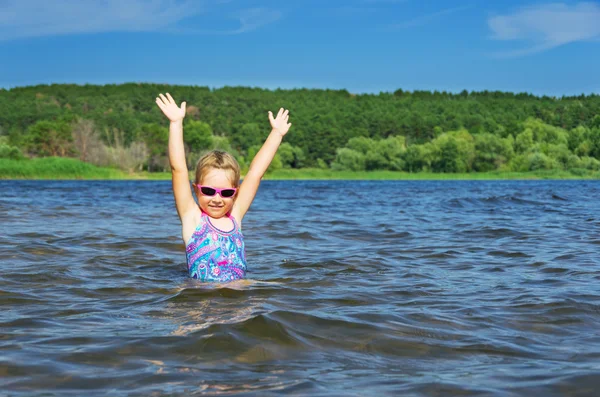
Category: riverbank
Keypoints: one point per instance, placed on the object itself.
(395, 175)
(67, 168)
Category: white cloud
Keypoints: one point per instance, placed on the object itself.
(423, 19)
(254, 18)
(547, 26)
(34, 18)
(249, 20)
(360, 7)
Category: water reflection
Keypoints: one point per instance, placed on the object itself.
(198, 306)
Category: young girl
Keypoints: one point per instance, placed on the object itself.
(211, 229)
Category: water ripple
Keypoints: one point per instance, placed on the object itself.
(437, 288)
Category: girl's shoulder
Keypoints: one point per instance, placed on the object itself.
(195, 217)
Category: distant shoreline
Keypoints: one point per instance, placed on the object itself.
(52, 168)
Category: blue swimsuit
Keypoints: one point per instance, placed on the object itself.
(215, 255)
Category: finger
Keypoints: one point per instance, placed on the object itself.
(170, 98)
(285, 113)
(183, 105)
(289, 125)
(280, 113)
(160, 103)
(271, 119)
(164, 99)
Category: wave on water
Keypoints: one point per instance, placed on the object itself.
(463, 288)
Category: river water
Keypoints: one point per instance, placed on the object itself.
(448, 288)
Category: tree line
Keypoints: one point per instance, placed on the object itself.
(120, 126)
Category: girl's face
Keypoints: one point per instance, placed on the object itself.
(215, 206)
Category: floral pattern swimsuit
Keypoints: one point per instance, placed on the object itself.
(216, 255)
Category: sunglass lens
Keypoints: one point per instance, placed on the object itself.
(208, 191)
(227, 193)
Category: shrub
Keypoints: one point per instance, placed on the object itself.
(10, 152)
(348, 160)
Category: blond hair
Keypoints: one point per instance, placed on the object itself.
(218, 160)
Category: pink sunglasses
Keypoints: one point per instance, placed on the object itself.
(211, 191)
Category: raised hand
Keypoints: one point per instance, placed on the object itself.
(280, 123)
(169, 107)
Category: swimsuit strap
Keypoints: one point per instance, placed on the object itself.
(236, 226)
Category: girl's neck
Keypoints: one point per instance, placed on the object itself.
(227, 215)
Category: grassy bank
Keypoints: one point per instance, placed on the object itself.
(55, 168)
(395, 175)
(66, 168)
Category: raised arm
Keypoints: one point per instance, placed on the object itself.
(261, 162)
(184, 201)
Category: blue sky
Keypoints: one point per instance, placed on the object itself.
(541, 47)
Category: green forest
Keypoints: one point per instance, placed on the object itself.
(120, 126)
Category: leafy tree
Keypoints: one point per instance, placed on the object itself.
(584, 149)
(533, 161)
(291, 156)
(491, 152)
(324, 120)
(10, 152)
(198, 136)
(594, 139)
(348, 160)
(123, 121)
(590, 163)
(361, 144)
(546, 133)
(576, 137)
(322, 164)
(375, 160)
(456, 152)
(49, 138)
(539, 161)
(449, 160)
(524, 141)
(156, 138)
(561, 155)
(16, 137)
(249, 134)
(221, 143)
(415, 159)
(286, 154)
(392, 150)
